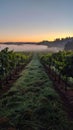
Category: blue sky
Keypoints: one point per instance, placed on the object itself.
(35, 20)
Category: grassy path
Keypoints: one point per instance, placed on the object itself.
(32, 103)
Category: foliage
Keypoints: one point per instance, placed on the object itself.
(61, 61)
(32, 103)
(10, 61)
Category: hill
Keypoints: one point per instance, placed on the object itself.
(69, 46)
(58, 43)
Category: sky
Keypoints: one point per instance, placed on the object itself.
(35, 20)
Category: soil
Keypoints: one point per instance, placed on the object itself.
(65, 95)
(7, 86)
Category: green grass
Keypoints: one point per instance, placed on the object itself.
(32, 103)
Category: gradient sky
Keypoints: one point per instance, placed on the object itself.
(35, 20)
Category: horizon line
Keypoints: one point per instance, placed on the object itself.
(16, 41)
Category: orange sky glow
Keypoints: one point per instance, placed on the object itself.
(35, 20)
(33, 38)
